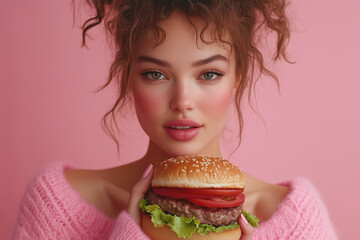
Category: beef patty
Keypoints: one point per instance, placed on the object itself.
(207, 215)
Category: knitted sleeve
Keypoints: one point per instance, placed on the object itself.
(315, 222)
(125, 228)
(52, 209)
(302, 215)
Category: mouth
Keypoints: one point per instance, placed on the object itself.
(182, 123)
(182, 129)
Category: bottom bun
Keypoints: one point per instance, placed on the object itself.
(165, 232)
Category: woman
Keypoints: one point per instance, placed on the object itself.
(182, 64)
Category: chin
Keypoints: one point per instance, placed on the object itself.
(200, 145)
(184, 149)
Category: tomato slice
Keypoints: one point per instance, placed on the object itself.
(184, 193)
(219, 202)
(214, 192)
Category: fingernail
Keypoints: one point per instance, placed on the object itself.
(244, 219)
(148, 169)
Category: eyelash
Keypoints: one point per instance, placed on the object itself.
(152, 71)
(218, 73)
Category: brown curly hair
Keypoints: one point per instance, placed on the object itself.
(247, 21)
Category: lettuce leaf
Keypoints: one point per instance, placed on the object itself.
(142, 204)
(184, 227)
(253, 220)
(206, 228)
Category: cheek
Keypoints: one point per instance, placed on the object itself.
(146, 103)
(218, 102)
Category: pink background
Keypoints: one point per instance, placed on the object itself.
(48, 111)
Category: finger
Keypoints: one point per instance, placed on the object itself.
(138, 192)
(246, 229)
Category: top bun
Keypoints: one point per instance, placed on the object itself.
(198, 172)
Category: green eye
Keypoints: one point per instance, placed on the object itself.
(155, 75)
(210, 75)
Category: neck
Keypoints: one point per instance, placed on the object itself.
(154, 155)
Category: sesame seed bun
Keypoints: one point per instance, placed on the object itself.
(198, 172)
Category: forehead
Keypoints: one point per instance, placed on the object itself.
(181, 34)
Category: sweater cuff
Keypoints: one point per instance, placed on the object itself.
(126, 228)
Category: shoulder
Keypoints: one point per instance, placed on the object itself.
(303, 195)
(88, 183)
(69, 190)
(301, 215)
(48, 193)
(50, 202)
(60, 184)
(106, 189)
(44, 193)
(95, 188)
(262, 198)
(305, 201)
(49, 179)
(50, 184)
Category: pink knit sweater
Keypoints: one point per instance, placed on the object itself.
(52, 209)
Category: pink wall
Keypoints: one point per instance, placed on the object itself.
(48, 111)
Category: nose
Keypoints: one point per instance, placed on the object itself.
(182, 98)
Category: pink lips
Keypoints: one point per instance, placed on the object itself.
(182, 129)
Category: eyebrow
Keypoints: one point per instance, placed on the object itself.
(198, 63)
(216, 57)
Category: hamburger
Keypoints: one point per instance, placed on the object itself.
(194, 197)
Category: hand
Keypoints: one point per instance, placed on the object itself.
(137, 193)
(246, 229)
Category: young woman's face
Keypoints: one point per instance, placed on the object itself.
(182, 89)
